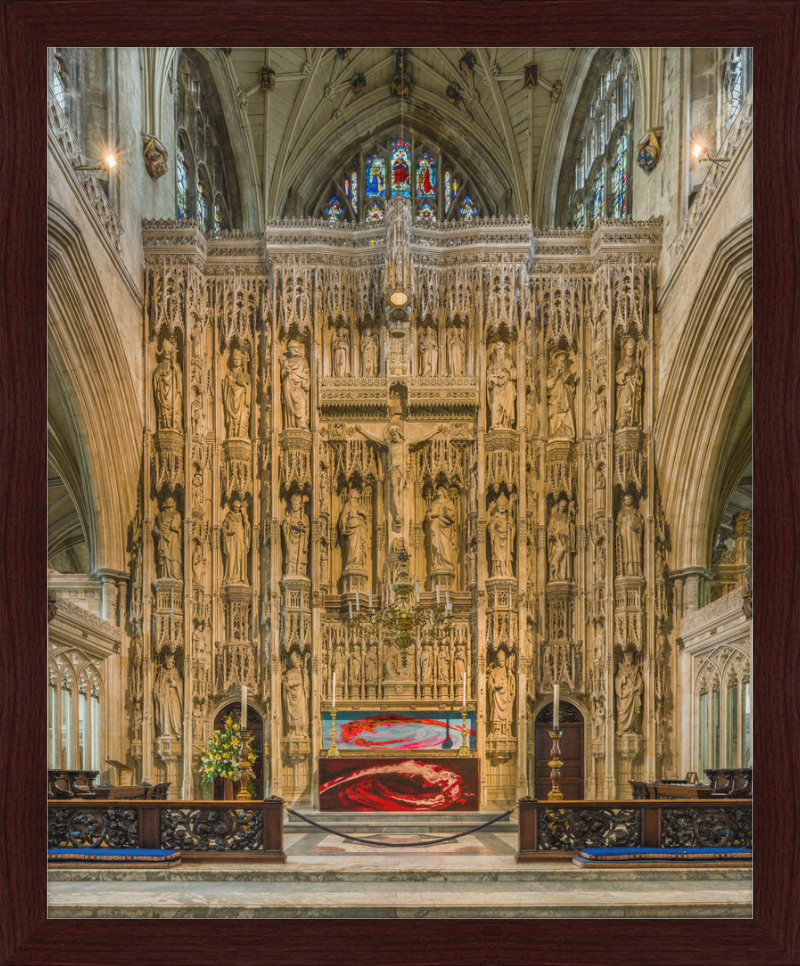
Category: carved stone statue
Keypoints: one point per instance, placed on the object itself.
(501, 530)
(369, 354)
(168, 699)
(167, 531)
(295, 380)
(236, 399)
(168, 389)
(599, 412)
(501, 388)
(441, 519)
(426, 665)
(500, 692)
(355, 673)
(324, 491)
(295, 698)
(472, 565)
(198, 415)
(429, 353)
(561, 541)
(459, 667)
(629, 379)
(338, 667)
(629, 687)
(561, 397)
(235, 533)
(630, 527)
(472, 501)
(371, 667)
(340, 349)
(197, 490)
(198, 564)
(599, 562)
(443, 666)
(599, 488)
(295, 528)
(455, 351)
(354, 531)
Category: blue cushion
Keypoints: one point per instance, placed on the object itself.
(666, 855)
(113, 855)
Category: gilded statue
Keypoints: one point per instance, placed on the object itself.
(501, 388)
(295, 382)
(236, 399)
(168, 389)
(235, 533)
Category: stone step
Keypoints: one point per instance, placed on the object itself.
(366, 823)
(394, 900)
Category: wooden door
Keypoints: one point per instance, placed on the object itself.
(255, 727)
(571, 752)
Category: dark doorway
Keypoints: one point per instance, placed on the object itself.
(256, 728)
(571, 721)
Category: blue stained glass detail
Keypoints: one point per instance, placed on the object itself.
(183, 180)
(580, 217)
(374, 212)
(426, 176)
(334, 211)
(427, 211)
(375, 176)
(619, 177)
(468, 209)
(353, 196)
(401, 169)
(598, 196)
(202, 208)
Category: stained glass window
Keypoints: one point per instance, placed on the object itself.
(468, 209)
(375, 176)
(580, 217)
(427, 211)
(220, 221)
(451, 188)
(374, 212)
(59, 85)
(183, 179)
(598, 196)
(426, 176)
(401, 169)
(334, 211)
(202, 205)
(354, 192)
(619, 177)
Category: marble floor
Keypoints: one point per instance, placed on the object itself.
(474, 877)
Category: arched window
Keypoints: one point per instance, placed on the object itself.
(201, 183)
(74, 718)
(603, 159)
(722, 693)
(736, 80)
(59, 80)
(182, 174)
(400, 167)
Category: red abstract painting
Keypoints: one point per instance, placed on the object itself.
(399, 785)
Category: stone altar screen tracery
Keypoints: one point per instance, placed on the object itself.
(299, 429)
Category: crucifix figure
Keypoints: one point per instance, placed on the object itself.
(395, 442)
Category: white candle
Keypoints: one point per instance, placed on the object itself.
(555, 707)
(465, 688)
(350, 608)
(333, 691)
(391, 593)
(447, 600)
(358, 605)
(417, 591)
(437, 595)
(244, 706)
(370, 598)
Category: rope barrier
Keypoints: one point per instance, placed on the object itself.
(399, 845)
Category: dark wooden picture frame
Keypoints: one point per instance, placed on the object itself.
(772, 28)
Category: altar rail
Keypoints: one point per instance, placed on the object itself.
(201, 830)
(549, 830)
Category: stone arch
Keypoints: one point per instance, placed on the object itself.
(704, 425)
(94, 426)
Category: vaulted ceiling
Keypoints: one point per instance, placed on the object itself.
(313, 121)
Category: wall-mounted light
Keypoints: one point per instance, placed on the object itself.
(699, 153)
(107, 163)
(398, 297)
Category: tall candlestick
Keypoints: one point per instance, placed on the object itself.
(555, 707)
(465, 688)
(333, 691)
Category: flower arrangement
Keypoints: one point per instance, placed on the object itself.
(222, 756)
